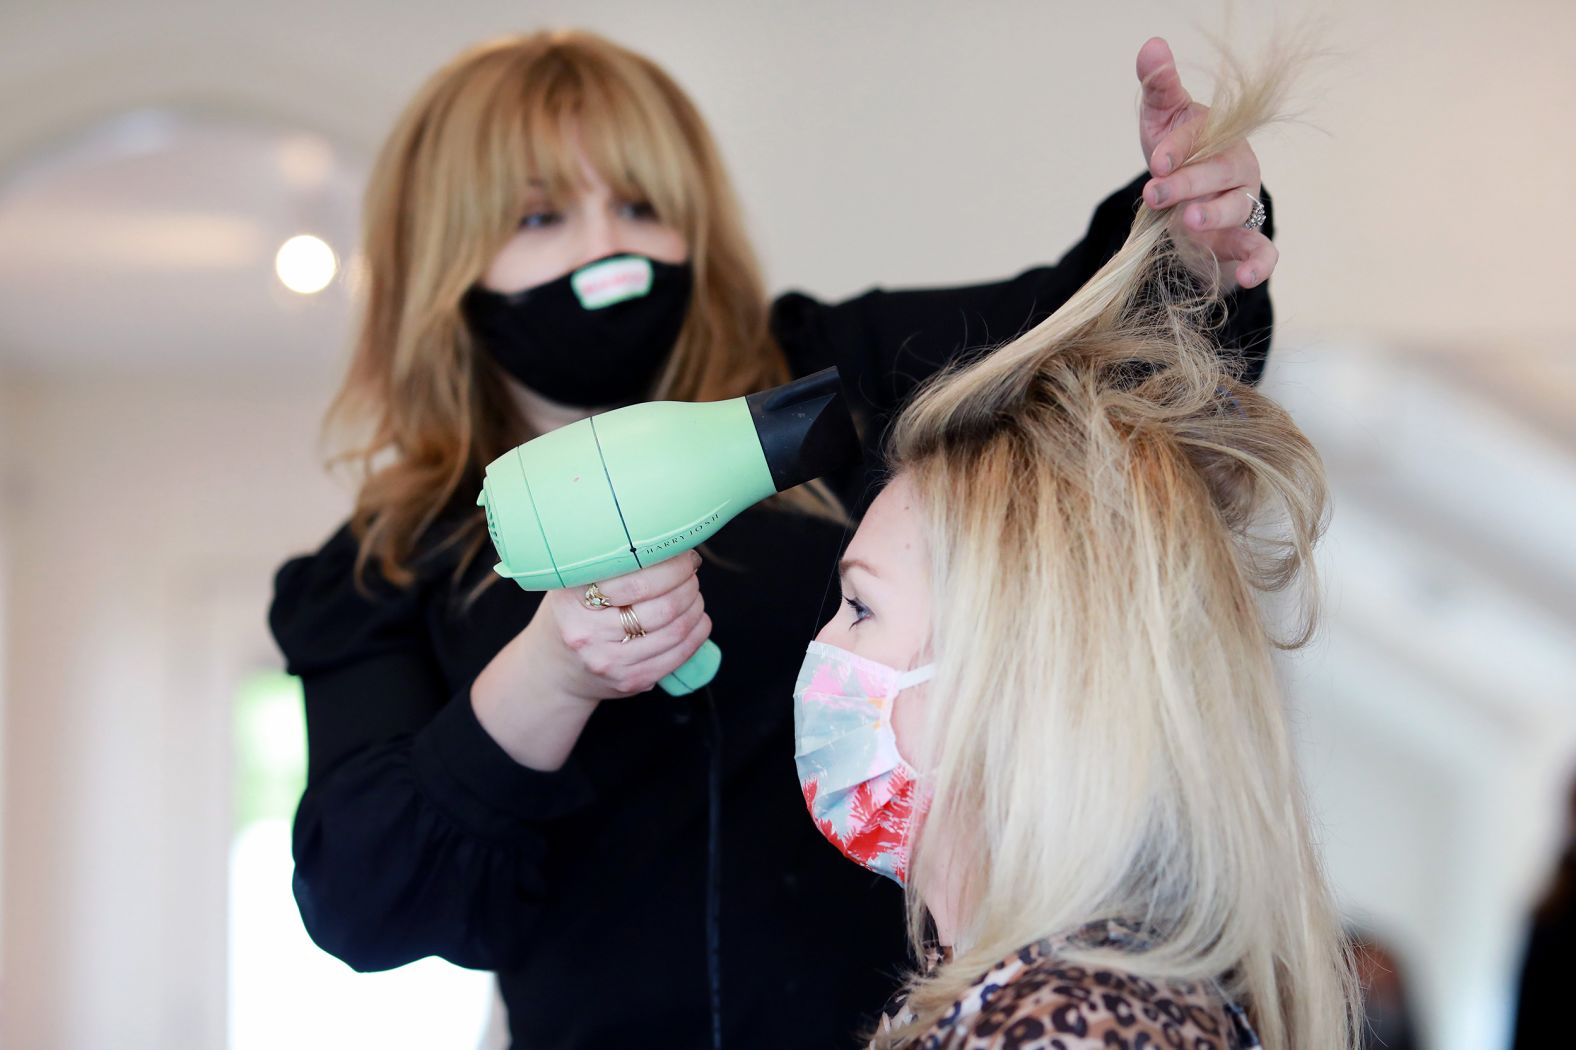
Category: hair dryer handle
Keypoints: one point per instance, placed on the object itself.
(695, 672)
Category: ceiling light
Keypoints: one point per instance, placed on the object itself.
(305, 264)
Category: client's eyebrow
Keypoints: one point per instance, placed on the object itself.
(854, 563)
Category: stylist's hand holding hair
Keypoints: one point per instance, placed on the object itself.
(1212, 198)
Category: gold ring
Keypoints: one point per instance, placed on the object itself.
(594, 598)
(632, 628)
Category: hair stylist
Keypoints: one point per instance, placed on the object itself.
(491, 778)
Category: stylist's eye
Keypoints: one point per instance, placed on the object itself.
(861, 613)
(637, 210)
(536, 220)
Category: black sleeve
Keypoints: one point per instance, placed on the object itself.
(417, 834)
(888, 342)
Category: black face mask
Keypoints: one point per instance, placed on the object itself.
(598, 335)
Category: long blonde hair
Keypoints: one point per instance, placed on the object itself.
(424, 409)
(1103, 498)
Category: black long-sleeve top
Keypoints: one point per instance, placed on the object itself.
(584, 888)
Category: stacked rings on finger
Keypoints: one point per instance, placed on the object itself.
(594, 598)
(1256, 219)
(632, 628)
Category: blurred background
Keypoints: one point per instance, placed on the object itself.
(167, 349)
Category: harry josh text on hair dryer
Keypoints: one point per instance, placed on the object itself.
(617, 492)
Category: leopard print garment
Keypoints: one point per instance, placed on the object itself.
(1033, 1000)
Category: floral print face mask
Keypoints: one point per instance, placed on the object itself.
(859, 789)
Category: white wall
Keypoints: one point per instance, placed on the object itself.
(1436, 709)
(143, 515)
(7, 414)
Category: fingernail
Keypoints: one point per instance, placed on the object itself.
(1253, 277)
(1162, 191)
(1166, 164)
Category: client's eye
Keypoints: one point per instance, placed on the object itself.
(860, 612)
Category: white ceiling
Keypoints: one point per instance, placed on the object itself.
(1423, 202)
(146, 244)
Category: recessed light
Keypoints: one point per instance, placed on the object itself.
(305, 264)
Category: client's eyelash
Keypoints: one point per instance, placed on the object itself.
(860, 611)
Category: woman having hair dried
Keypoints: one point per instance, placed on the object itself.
(1048, 706)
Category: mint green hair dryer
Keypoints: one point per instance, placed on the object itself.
(627, 489)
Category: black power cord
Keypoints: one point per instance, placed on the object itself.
(714, 835)
(714, 868)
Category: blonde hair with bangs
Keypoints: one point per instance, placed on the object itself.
(1104, 502)
(423, 410)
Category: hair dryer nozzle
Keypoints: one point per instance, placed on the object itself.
(804, 428)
